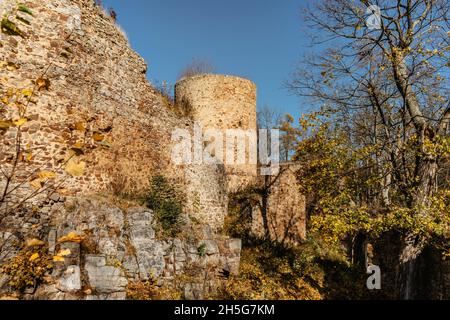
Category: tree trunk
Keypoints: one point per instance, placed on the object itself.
(427, 182)
(408, 272)
(408, 276)
(264, 207)
(425, 174)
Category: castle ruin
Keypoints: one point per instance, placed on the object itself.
(92, 135)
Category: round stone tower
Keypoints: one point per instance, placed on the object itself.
(224, 103)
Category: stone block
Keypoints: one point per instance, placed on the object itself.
(103, 278)
(70, 281)
(234, 245)
(211, 247)
(95, 260)
(111, 296)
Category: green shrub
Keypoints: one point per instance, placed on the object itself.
(166, 200)
(201, 250)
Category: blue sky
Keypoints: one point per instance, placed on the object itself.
(258, 39)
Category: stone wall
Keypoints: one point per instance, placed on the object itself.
(114, 247)
(208, 196)
(285, 207)
(97, 114)
(75, 98)
(222, 102)
(98, 102)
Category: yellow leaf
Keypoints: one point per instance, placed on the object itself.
(34, 256)
(64, 253)
(47, 175)
(77, 149)
(98, 137)
(10, 92)
(11, 66)
(75, 169)
(5, 124)
(20, 122)
(43, 84)
(64, 192)
(34, 243)
(78, 145)
(79, 126)
(36, 184)
(71, 237)
(27, 92)
(58, 259)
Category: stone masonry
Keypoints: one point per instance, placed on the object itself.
(223, 103)
(97, 113)
(90, 127)
(120, 246)
(285, 208)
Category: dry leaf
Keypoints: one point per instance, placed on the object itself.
(64, 192)
(34, 243)
(34, 256)
(71, 237)
(43, 84)
(77, 149)
(8, 298)
(78, 145)
(75, 169)
(5, 124)
(79, 126)
(58, 259)
(64, 253)
(20, 122)
(105, 143)
(98, 137)
(37, 184)
(47, 175)
(11, 66)
(87, 292)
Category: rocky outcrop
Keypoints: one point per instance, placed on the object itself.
(113, 247)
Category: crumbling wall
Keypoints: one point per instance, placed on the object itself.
(283, 205)
(208, 200)
(96, 125)
(78, 117)
(98, 103)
